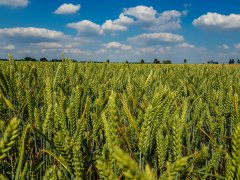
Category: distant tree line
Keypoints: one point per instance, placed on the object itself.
(43, 59)
(33, 59)
(232, 61)
(155, 61)
(212, 62)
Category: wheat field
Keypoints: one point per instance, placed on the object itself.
(118, 121)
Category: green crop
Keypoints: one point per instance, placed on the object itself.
(68, 120)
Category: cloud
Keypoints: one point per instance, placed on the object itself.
(224, 46)
(14, 3)
(67, 9)
(124, 20)
(237, 46)
(157, 38)
(148, 18)
(101, 51)
(119, 24)
(146, 50)
(86, 27)
(69, 47)
(164, 50)
(110, 25)
(185, 45)
(77, 51)
(49, 45)
(30, 34)
(168, 20)
(217, 21)
(117, 45)
(141, 13)
(9, 47)
(39, 42)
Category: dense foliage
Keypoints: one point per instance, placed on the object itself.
(118, 121)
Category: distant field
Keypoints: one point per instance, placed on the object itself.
(119, 121)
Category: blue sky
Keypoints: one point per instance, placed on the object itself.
(121, 30)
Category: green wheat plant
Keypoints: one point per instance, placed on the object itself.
(71, 120)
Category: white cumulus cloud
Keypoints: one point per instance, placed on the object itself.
(147, 50)
(49, 45)
(117, 45)
(185, 45)
(110, 25)
(157, 38)
(9, 47)
(77, 51)
(67, 9)
(86, 27)
(29, 34)
(14, 3)
(142, 13)
(224, 46)
(168, 20)
(217, 21)
(237, 46)
(149, 18)
(119, 24)
(144, 17)
(101, 51)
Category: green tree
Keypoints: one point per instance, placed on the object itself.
(167, 61)
(156, 61)
(43, 59)
(29, 59)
